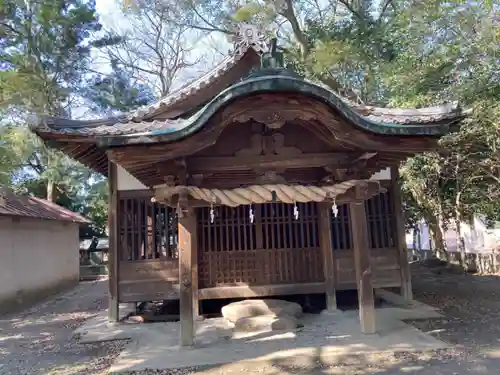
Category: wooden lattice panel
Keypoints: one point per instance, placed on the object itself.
(381, 221)
(274, 249)
(341, 232)
(146, 230)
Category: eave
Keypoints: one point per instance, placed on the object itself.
(435, 121)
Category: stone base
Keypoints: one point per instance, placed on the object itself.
(266, 323)
(256, 307)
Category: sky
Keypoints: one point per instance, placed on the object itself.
(111, 18)
(109, 13)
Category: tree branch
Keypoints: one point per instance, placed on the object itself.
(289, 14)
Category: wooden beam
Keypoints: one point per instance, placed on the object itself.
(325, 238)
(406, 288)
(113, 309)
(362, 263)
(235, 163)
(187, 244)
(245, 291)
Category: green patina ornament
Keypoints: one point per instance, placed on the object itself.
(272, 64)
(272, 59)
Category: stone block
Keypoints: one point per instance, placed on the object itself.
(265, 323)
(256, 307)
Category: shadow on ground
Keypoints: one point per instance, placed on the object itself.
(471, 307)
(37, 340)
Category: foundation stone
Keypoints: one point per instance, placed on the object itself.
(267, 310)
(266, 323)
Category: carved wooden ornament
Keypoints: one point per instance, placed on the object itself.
(276, 118)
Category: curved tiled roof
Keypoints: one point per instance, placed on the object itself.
(425, 121)
(194, 87)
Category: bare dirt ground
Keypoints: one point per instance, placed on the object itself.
(37, 340)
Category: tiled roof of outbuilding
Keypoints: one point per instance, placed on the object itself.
(36, 208)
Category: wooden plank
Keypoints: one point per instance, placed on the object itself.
(380, 259)
(406, 289)
(266, 272)
(113, 255)
(325, 238)
(245, 291)
(148, 290)
(133, 194)
(157, 269)
(159, 290)
(362, 263)
(236, 163)
(187, 241)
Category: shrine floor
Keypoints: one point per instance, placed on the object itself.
(325, 337)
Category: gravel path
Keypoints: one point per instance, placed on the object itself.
(471, 305)
(37, 341)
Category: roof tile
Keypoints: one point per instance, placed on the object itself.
(36, 208)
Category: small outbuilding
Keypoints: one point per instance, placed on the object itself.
(39, 249)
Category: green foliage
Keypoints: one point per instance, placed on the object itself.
(44, 47)
(115, 92)
(460, 62)
(249, 11)
(13, 152)
(414, 54)
(386, 53)
(45, 51)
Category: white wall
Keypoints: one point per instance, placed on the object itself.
(125, 181)
(36, 254)
(384, 174)
(477, 238)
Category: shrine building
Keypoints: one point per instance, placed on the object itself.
(253, 181)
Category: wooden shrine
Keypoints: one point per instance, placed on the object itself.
(253, 181)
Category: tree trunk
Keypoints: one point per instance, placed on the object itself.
(415, 236)
(458, 228)
(419, 239)
(436, 231)
(50, 191)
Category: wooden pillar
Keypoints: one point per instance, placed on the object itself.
(113, 253)
(194, 270)
(362, 263)
(406, 290)
(325, 238)
(188, 291)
